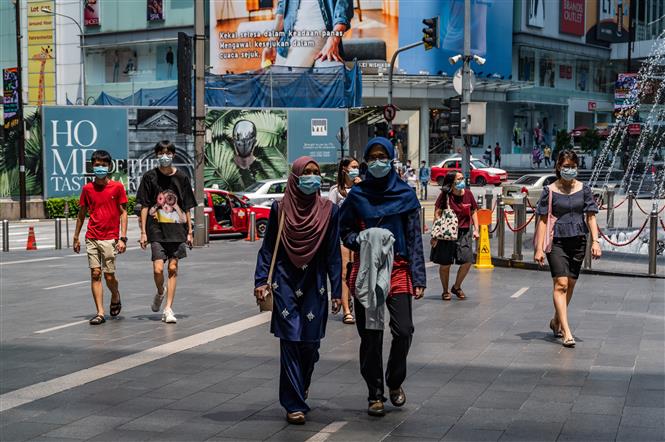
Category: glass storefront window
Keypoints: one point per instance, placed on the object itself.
(546, 71)
(582, 76)
(527, 64)
(143, 62)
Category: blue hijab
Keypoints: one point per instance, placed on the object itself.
(382, 197)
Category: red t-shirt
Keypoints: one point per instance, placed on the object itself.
(463, 206)
(103, 205)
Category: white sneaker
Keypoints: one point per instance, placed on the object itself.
(157, 301)
(168, 316)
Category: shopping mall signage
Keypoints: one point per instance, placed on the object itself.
(571, 19)
(71, 135)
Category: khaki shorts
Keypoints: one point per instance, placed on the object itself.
(101, 254)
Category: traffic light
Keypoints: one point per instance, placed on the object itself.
(391, 136)
(455, 104)
(184, 83)
(431, 33)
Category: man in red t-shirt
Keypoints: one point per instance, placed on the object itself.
(106, 202)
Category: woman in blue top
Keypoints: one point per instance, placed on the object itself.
(575, 209)
(308, 255)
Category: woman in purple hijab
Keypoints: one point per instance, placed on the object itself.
(308, 256)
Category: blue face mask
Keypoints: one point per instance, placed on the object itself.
(100, 171)
(379, 168)
(569, 173)
(353, 173)
(460, 186)
(309, 184)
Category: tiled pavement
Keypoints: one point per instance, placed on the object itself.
(480, 369)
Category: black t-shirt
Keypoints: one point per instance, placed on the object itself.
(168, 199)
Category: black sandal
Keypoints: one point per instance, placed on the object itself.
(458, 292)
(97, 320)
(115, 308)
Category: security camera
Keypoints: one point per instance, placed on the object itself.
(478, 59)
(454, 59)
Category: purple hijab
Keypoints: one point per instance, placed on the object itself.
(307, 217)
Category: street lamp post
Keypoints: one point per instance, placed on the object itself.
(47, 10)
(20, 139)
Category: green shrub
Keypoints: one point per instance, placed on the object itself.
(55, 207)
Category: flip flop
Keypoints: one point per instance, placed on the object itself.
(348, 319)
(557, 332)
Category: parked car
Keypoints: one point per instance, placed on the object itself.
(531, 184)
(481, 173)
(229, 214)
(263, 193)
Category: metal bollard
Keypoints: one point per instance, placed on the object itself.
(653, 239)
(501, 229)
(58, 233)
(520, 219)
(631, 198)
(67, 222)
(423, 225)
(5, 235)
(489, 198)
(587, 252)
(610, 207)
(206, 226)
(252, 227)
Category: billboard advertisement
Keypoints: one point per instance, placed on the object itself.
(491, 36)
(613, 20)
(245, 146)
(71, 135)
(91, 12)
(314, 133)
(10, 97)
(155, 10)
(41, 53)
(302, 34)
(536, 13)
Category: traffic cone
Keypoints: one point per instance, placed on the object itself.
(32, 241)
(256, 234)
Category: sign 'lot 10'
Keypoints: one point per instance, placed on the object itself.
(71, 135)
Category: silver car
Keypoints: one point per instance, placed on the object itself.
(264, 192)
(531, 184)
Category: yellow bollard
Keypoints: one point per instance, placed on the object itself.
(484, 256)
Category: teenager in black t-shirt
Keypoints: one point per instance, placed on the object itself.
(166, 196)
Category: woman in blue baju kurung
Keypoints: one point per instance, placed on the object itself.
(308, 255)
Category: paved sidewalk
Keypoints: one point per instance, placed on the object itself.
(485, 368)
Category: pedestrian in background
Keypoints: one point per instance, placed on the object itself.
(547, 155)
(412, 179)
(305, 230)
(497, 155)
(563, 238)
(105, 201)
(424, 175)
(455, 196)
(166, 197)
(348, 174)
(384, 204)
(488, 155)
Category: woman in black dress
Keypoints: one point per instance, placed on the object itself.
(574, 208)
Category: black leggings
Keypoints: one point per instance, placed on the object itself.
(371, 346)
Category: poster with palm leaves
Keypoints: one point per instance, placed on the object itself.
(245, 146)
(9, 168)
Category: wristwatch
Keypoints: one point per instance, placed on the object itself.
(123, 239)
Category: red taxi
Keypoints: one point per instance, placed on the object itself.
(481, 173)
(229, 214)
